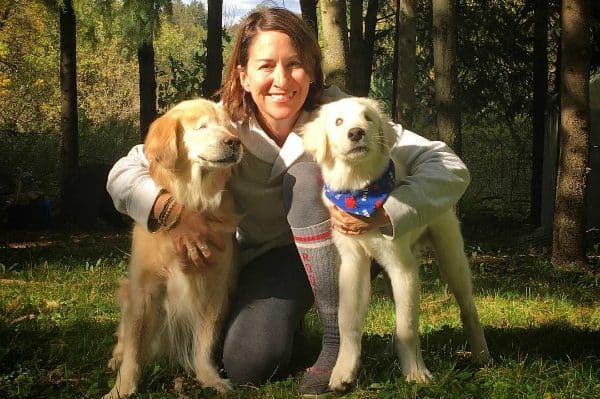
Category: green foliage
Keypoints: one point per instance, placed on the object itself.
(495, 45)
(141, 19)
(185, 82)
(28, 86)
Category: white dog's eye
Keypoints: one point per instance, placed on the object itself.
(368, 118)
(339, 121)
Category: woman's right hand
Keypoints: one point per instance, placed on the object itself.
(192, 237)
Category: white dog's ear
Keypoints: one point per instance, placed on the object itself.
(386, 127)
(314, 135)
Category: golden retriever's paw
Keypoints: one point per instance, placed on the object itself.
(341, 379)
(118, 394)
(114, 363)
(420, 375)
(222, 385)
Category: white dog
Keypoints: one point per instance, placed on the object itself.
(352, 142)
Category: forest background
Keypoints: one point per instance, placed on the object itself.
(495, 42)
(79, 86)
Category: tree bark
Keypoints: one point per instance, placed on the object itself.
(214, 49)
(369, 40)
(308, 8)
(356, 47)
(568, 246)
(540, 96)
(68, 118)
(335, 30)
(147, 83)
(405, 76)
(446, 74)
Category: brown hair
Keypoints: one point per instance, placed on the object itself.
(235, 99)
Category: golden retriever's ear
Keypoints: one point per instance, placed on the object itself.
(314, 135)
(161, 142)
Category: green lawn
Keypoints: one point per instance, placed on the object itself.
(58, 313)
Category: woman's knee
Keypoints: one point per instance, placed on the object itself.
(255, 362)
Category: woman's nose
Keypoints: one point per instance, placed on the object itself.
(280, 75)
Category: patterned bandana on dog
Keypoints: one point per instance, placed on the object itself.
(366, 201)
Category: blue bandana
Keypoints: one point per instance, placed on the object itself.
(366, 201)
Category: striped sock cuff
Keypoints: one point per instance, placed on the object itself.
(316, 236)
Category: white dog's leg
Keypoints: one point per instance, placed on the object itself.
(355, 290)
(454, 268)
(402, 270)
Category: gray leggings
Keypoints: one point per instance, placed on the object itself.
(273, 294)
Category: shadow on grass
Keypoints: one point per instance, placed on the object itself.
(444, 350)
(40, 360)
(22, 249)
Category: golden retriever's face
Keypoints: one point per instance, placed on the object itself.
(197, 132)
(352, 130)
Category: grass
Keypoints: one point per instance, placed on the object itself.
(58, 313)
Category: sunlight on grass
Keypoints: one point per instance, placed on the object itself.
(59, 312)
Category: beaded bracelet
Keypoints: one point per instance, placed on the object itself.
(164, 213)
(173, 223)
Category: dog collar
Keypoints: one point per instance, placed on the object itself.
(366, 201)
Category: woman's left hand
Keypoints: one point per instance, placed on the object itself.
(348, 223)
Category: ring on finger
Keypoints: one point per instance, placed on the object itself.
(204, 249)
(191, 252)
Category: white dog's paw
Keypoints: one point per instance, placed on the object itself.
(342, 379)
(420, 375)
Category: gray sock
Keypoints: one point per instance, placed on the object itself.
(309, 220)
(321, 260)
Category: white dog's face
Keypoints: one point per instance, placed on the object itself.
(351, 133)
(351, 130)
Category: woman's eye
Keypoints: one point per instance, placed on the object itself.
(339, 121)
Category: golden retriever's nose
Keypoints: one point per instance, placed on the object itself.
(232, 141)
(355, 134)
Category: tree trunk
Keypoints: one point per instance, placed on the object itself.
(308, 8)
(214, 49)
(569, 215)
(540, 96)
(356, 63)
(405, 76)
(335, 30)
(68, 118)
(362, 42)
(446, 74)
(147, 83)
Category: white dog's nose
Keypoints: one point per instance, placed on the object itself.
(355, 134)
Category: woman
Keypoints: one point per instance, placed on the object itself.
(273, 82)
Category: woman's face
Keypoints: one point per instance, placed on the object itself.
(276, 79)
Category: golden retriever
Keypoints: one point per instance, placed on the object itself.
(351, 140)
(191, 150)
